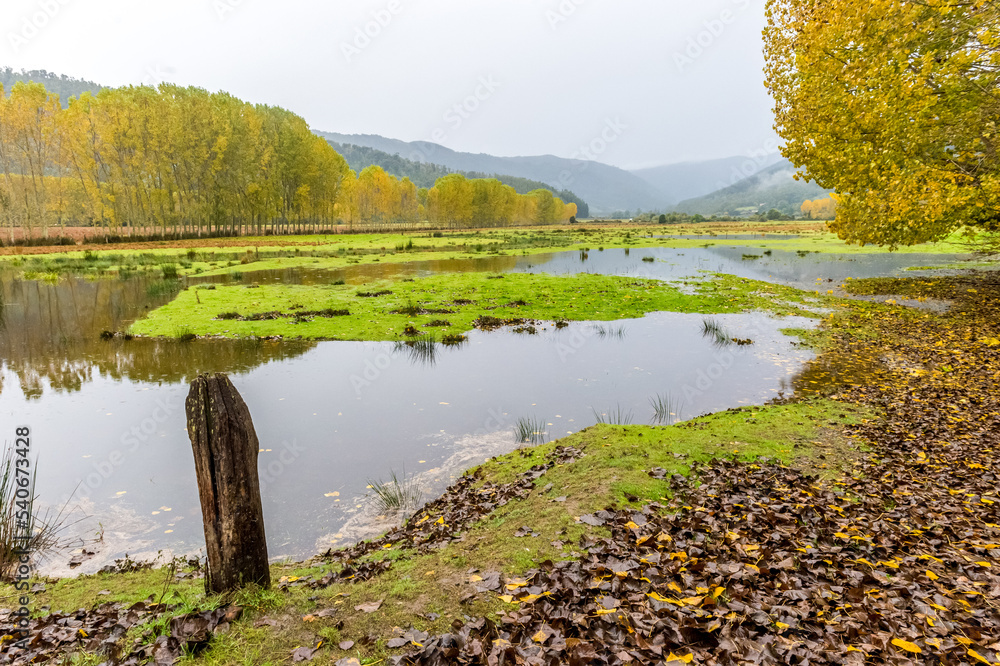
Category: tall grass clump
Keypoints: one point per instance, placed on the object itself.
(711, 328)
(612, 332)
(397, 495)
(617, 416)
(529, 430)
(21, 528)
(422, 351)
(666, 409)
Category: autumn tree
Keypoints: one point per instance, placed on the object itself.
(29, 149)
(894, 104)
(450, 201)
(819, 209)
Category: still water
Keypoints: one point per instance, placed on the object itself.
(108, 422)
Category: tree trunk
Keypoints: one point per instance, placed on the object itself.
(225, 457)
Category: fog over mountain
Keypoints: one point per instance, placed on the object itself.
(773, 187)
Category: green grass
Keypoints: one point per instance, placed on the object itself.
(391, 317)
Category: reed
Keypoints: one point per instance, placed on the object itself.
(21, 528)
(397, 495)
(530, 430)
(666, 409)
(616, 416)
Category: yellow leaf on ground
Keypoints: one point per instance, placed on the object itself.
(906, 645)
(976, 655)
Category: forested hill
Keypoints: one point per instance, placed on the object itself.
(424, 174)
(606, 188)
(774, 187)
(62, 85)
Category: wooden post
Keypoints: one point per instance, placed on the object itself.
(225, 460)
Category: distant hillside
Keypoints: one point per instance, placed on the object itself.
(425, 174)
(687, 180)
(62, 85)
(605, 188)
(773, 187)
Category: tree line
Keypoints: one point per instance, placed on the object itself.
(171, 160)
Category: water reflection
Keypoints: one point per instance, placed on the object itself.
(50, 338)
(342, 412)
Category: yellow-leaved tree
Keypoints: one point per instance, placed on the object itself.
(894, 104)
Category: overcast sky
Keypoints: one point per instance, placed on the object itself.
(668, 80)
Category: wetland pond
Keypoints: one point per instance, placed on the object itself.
(108, 424)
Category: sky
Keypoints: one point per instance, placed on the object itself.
(633, 83)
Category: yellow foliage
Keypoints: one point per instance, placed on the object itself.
(893, 104)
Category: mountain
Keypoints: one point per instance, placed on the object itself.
(687, 180)
(605, 188)
(424, 174)
(773, 187)
(62, 85)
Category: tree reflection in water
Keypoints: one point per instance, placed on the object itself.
(50, 337)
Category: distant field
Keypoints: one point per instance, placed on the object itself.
(813, 237)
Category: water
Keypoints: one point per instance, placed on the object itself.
(789, 268)
(108, 420)
(721, 237)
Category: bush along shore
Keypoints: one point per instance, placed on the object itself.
(857, 523)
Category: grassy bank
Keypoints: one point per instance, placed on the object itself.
(424, 588)
(450, 305)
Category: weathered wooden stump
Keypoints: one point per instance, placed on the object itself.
(225, 459)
